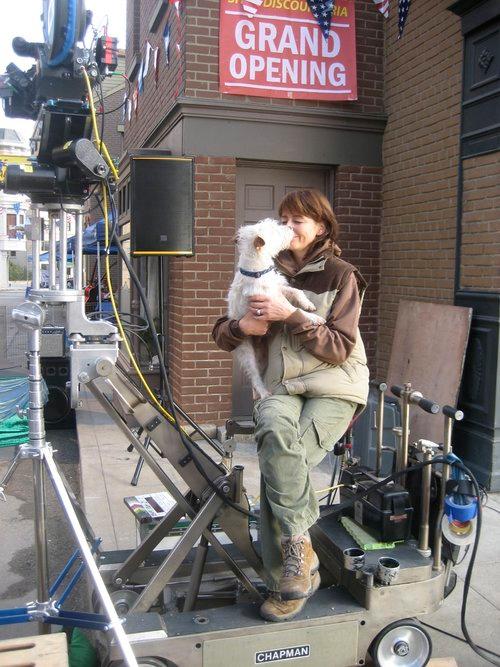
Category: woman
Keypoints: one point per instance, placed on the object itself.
(318, 379)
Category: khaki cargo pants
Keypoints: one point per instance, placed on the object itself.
(293, 436)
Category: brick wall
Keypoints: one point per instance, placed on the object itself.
(156, 98)
(358, 206)
(194, 71)
(202, 59)
(201, 373)
(480, 265)
(423, 88)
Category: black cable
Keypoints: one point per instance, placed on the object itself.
(493, 509)
(191, 447)
(460, 639)
(124, 101)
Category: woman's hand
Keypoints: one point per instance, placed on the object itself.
(272, 309)
(253, 326)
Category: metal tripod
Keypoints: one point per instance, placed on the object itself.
(30, 316)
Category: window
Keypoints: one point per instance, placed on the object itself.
(11, 223)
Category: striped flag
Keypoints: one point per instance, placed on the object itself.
(251, 6)
(404, 8)
(322, 11)
(383, 7)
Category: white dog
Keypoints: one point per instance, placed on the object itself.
(258, 245)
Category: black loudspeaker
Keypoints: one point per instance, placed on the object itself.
(57, 411)
(162, 204)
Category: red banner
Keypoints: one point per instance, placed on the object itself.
(275, 48)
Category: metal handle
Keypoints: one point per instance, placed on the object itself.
(377, 384)
(427, 404)
(453, 413)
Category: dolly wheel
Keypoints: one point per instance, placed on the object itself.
(401, 644)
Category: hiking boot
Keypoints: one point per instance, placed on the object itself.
(275, 609)
(300, 562)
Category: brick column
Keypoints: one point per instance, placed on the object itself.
(201, 373)
(358, 206)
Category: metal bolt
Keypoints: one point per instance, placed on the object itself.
(83, 377)
(401, 648)
(79, 61)
(226, 488)
(118, 581)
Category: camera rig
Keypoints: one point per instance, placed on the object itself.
(53, 93)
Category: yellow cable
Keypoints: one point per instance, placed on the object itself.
(117, 316)
(330, 488)
(94, 125)
(131, 355)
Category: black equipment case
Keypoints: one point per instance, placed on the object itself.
(386, 512)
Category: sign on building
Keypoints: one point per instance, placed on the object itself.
(279, 50)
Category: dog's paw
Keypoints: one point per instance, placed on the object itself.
(316, 319)
(309, 306)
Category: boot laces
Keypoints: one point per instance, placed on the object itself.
(293, 557)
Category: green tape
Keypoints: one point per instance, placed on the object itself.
(362, 537)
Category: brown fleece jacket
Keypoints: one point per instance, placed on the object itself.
(320, 273)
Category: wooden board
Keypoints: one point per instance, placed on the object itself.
(442, 662)
(428, 350)
(39, 651)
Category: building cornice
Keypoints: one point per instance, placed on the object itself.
(186, 107)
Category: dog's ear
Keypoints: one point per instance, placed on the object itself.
(258, 242)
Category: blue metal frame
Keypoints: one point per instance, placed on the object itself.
(79, 619)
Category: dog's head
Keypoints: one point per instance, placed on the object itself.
(267, 238)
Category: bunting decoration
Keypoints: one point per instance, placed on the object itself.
(322, 11)
(156, 65)
(124, 107)
(176, 3)
(251, 6)
(135, 99)
(403, 9)
(383, 7)
(146, 59)
(140, 78)
(166, 40)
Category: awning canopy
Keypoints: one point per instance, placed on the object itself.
(93, 242)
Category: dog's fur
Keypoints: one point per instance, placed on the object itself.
(258, 245)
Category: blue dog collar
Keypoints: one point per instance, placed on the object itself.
(256, 274)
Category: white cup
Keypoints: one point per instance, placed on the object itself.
(387, 570)
(354, 559)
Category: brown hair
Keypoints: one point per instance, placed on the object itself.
(313, 204)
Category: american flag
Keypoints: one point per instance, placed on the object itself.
(383, 7)
(403, 7)
(251, 6)
(322, 11)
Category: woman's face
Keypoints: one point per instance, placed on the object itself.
(305, 229)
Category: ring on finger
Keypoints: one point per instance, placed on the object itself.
(259, 312)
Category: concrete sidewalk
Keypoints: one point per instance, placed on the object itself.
(106, 471)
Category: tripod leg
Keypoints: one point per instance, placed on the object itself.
(115, 623)
(42, 566)
(140, 463)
